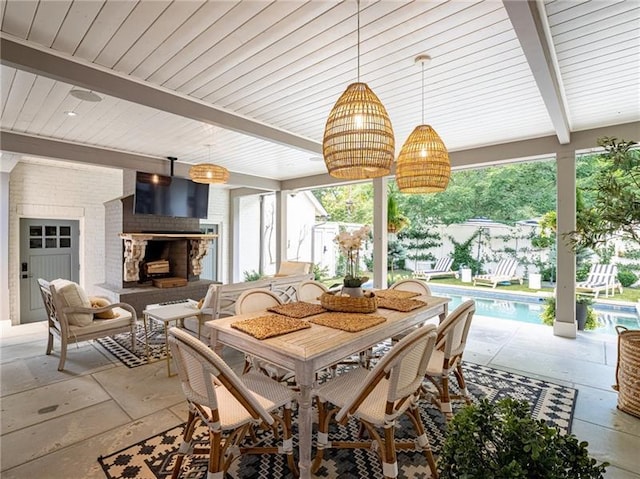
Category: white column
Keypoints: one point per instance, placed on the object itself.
(380, 233)
(282, 198)
(565, 324)
(234, 237)
(4, 246)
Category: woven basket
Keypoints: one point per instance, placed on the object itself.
(628, 371)
(348, 304)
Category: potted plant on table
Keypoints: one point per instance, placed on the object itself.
(350, 244)
(501, 439)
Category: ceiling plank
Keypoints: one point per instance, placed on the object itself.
(18, 54)
(527, 24)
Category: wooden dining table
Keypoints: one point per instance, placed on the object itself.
(313, 349)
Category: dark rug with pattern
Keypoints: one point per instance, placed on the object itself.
(154, 457)
(120, 345)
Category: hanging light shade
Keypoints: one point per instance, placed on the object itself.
(423, 163)
(358, 140)
(208, 173)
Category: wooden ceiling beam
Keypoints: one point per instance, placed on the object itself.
(31, 145)
(530, 30)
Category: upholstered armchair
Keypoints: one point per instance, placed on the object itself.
(72, 319)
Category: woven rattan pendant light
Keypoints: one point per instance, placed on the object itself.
(208, 172)
(423, 163)
(358, 140)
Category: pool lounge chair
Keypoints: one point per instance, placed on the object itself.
(505, 271)
(601, 277)
(441, 269)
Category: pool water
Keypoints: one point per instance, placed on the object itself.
(527, 312)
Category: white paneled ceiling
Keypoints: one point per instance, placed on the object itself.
(278, 67)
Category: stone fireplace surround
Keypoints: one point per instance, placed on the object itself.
(126, 237)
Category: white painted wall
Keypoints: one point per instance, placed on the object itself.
(219, 214)
(490, 244)
(301, 216)
(248, 241)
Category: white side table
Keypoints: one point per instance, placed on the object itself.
(167, 314)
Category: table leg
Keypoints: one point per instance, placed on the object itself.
(145, 318)
(444, 313)
(305, 431)
(166, 347)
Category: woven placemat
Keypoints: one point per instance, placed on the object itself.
(297, 310)
(264, 327)
(351, 322)
(404, 305)
(396, 294)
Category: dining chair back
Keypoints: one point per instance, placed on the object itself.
(231, 406)
(377, 399)
(447, 359)
(310, 290)
(413, 285)
(254, 300)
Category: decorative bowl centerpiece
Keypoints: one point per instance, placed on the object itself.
(367, 303)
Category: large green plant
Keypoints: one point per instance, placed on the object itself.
(616, 208)
(502, 440)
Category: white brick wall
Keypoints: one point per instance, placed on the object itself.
(44, 189)
(61, 191)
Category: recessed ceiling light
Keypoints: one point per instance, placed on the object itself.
(70, 113)
(316, 158)
(85, 95)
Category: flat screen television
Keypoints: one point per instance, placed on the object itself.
(170, 196)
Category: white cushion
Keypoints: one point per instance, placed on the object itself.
(123, 319)
(72, 295)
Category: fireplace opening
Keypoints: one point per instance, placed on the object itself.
(164, 259)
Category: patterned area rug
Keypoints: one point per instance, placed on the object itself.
(120, 345)
(153, 458)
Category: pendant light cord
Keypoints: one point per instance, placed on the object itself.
(358, 1)
(423, 93)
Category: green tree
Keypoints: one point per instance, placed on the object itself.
(616, 190)
(348, 204)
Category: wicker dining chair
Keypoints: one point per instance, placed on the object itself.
(377, 398)
(447, 358)
(310, 290)
(254, 300)
(231, 406)
(413, 285)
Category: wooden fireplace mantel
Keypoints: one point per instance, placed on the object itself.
(135, 245)
(161, 236)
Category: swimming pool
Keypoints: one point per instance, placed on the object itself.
(529, 311)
